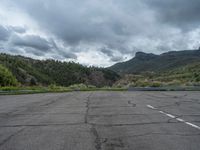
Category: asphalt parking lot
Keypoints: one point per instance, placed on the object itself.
(101, 121)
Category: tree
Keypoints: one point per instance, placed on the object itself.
(6, 77)
(33, 82)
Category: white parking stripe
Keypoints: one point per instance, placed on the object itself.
(172, 116)
(161, 112)
(151, 107)
(193, 125)
(179, 119)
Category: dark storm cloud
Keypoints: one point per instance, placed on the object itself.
(4, 33)
(116, 58)
(62, 53)
(34, 51)
(31, 41)
(107, 51)
(18, 29)
(82, 21)
(112, 24)
(110, 53)
(182, 13)
(112, 27)
(10, 42)
(65, 54)
(40, 46)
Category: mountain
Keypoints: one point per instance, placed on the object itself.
(144, 62)
(29, 71)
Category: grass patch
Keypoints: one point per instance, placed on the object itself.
(11, 90)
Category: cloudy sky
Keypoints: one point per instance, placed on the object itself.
(97, 32)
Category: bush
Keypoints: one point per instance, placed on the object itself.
(156, 84)
(78, 86)
(33, 82)
(6, 77)
(91, 87)
(52, 86)
(142, 84)
(174, 83)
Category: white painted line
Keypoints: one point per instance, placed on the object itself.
(161, 112)
(151, 107)
(172, 116)
(193, 125)
(179, 119)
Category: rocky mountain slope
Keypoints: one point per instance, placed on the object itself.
(143, 62)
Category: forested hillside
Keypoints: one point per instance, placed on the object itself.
(45, 72)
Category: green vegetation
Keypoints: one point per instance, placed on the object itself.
(27, 76)
(172, 71)
(6, 77)
(53, 89)
(188, 75)
(30, 72)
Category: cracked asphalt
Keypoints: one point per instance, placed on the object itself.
(100, 121)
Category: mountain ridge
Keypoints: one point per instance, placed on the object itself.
(148, 62)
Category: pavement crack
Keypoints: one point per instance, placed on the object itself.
(114, 143)
(162, 134)
(42, 125)
(98, 142)
(88, 107)
(163, 95)
(134, 124)
(49, 103)
(175, 96)
(179, 103)
(174, 119)
(176, 134)
(131, 103)
(108, 106)
(111, 115)
(52, 101)
(169, 105)
(11, 136)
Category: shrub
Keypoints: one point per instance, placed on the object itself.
(91, 87)
(33, 82)
(78, 86)
(174, 83)
(52, 86)
(142, 84)
(156, 84)
(6, 77)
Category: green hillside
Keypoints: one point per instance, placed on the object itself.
(143, 62)
(188, 75)
(45, 72)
